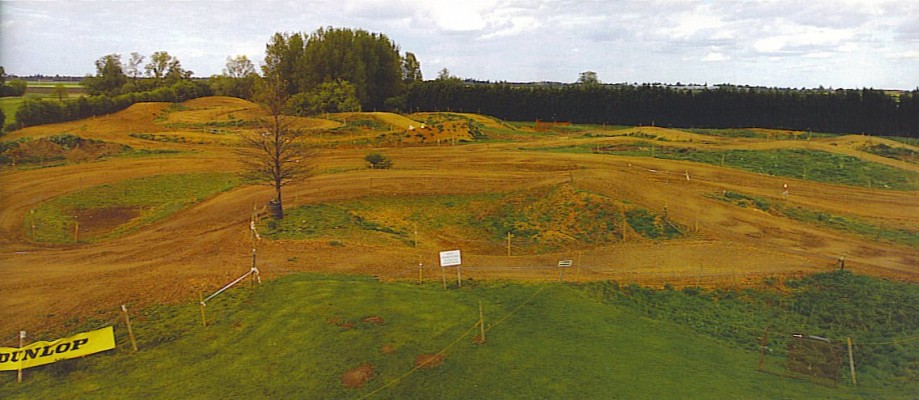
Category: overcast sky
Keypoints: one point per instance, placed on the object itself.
(840, 44)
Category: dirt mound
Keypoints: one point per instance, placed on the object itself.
(373, 319)
(55, 148)
(219, 101)
(560, 216)
(142, 111)
(488, 122)
(215, 111)
(357, 377)
(395, 121)
(428, 361)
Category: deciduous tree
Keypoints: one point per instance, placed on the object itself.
(411, 69)
(329, 97)
(238, 79)
(59, 91)
(162, 65)
(109, 76)
(274, 153)
(133, 66)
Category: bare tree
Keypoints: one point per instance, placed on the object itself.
(133, 66)
(274, 153)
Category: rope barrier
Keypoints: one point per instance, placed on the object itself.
(229, 285)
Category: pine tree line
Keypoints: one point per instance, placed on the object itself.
(867, 111)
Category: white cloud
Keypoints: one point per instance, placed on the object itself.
(513, 26)
(715, 57)
(456, 15)
(688, 24)
(792, 37)
(905, 55)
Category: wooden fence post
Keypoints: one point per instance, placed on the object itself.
(762, 354)
(851, 360)
(481, 322)
(127, 321)
(203, 317)
(22, 338)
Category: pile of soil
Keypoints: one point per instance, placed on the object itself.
(46, 149)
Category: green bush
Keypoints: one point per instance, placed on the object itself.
(378, 161)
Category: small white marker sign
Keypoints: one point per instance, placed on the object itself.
(450, 258)
(564, 263)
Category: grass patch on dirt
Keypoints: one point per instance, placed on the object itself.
(300, 335)
(895, 152)
(109, 211)
(819, 166)
(841, 223)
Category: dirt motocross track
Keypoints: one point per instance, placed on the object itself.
(205, 246)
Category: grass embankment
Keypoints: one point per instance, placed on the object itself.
(842, 223)
(881, 316)
(297, 336)
(108, 211)
(818, 166)
(540, 220)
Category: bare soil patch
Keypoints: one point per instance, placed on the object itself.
(340, 323)
(428, 361)
(98, 221)
(357, 377)
(373, 319)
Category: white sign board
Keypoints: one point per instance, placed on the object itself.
(564, 263)
(450, 258)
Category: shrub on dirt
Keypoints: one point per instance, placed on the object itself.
(378, 161)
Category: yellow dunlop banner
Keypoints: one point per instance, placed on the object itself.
(41, 353)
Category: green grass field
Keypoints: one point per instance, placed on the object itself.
(296, 336)
(9, 105)
(43, 89)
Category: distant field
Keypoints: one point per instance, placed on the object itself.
(42, 85)
(43, 89)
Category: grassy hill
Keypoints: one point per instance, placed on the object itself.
(299, 336)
